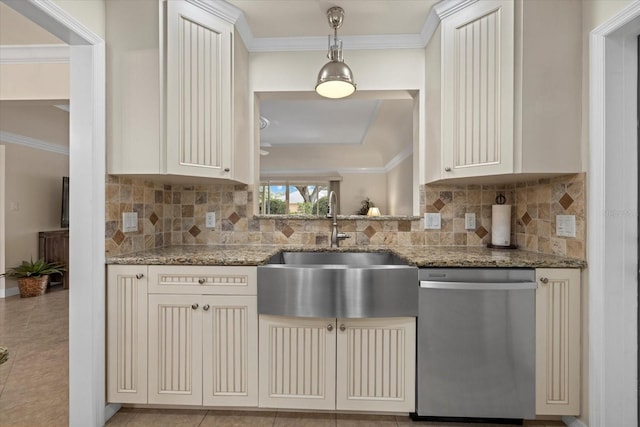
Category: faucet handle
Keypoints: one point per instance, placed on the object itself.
(342, 236)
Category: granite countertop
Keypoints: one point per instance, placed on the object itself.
(420, 256)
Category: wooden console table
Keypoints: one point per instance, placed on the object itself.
(53, 246)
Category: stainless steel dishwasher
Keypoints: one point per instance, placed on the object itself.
(476, 344)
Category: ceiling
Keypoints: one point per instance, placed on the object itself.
(318, 122)
(306, 18)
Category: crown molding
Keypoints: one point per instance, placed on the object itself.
(35, 54)
(232, 14)
(25, 141)
(399, 158)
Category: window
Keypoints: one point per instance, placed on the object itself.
(293, 197)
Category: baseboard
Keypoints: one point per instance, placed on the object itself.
(9, 292)
(110, 410)
(573, 422)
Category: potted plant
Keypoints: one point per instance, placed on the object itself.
(34, 276)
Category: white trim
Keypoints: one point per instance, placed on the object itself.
(34, 54)
(9, 292)
(3, 235)
(25, 141)
(612, 231)
(110, 410)
(232, 14)
(398, 158)
(87, 170)
(573, 422)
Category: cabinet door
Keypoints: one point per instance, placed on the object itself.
(297, 362)
(175, 349)
(376, 364)
(558, 342)
(127, 334)
(230, 351)
(199, 105)
(478, 90)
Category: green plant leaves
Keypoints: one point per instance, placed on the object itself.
(35, 269)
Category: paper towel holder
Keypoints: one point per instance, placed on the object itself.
(501, 200)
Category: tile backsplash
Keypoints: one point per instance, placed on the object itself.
(175, 214)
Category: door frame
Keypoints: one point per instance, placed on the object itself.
(3, 175)
(613, 220)
(87, 204)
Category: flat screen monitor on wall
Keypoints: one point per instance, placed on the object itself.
(64, 222)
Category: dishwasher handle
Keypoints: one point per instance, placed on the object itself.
(477, 286)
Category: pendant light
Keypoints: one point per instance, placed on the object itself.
(335, 79)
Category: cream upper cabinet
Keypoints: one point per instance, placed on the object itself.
(558, 342)
(343, 364)
(507, 95)
(174, 73)
(127, 334)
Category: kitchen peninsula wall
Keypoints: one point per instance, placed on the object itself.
(174, 215)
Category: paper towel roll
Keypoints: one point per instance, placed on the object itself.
(501, 225)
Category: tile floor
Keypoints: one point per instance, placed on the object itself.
(34, 381)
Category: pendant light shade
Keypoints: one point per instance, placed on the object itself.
(335, 79)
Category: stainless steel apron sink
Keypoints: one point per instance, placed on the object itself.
(337, 284)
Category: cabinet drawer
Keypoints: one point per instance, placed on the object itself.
(202, 280)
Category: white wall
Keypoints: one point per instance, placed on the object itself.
(399, 188)
(34, 81)
(33, 200)
(356, 187)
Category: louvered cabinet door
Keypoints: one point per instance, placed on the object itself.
(127, 334)
(175, 349)
(558, 342)
(297, 362)
(199, 109)
(230, 351)
(478, 90)
(376, 364)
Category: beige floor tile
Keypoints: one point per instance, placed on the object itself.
(299, 419)
(356, 420)
(167, 418)
(238, 419)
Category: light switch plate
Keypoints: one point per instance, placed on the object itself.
(470, 221)
(129, 222)
(566, 225)
(210, 220)
(432, 221)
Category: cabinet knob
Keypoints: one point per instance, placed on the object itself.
(544, 280)
(330, 327)
(343, 328)
(447, 169)
(201, 280)
(227, 169)
(194, 305)
(206, 307)
(139, 276)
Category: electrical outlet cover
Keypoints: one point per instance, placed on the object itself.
(210, 220)
(129, 222)
(566, 225)
(470, 221)
(432, 221)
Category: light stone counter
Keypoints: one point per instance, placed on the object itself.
(420, 256)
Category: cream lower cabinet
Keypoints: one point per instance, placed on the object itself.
(202, 350)
(182, 335)
(344, 364)
(558, 342)
(127, 334)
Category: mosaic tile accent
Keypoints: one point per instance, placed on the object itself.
(194, 231)
(153, 218)
(176, 216)
(234, 217)
(481, 232)
(288, 231)
(565, 201)
(370, 232)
